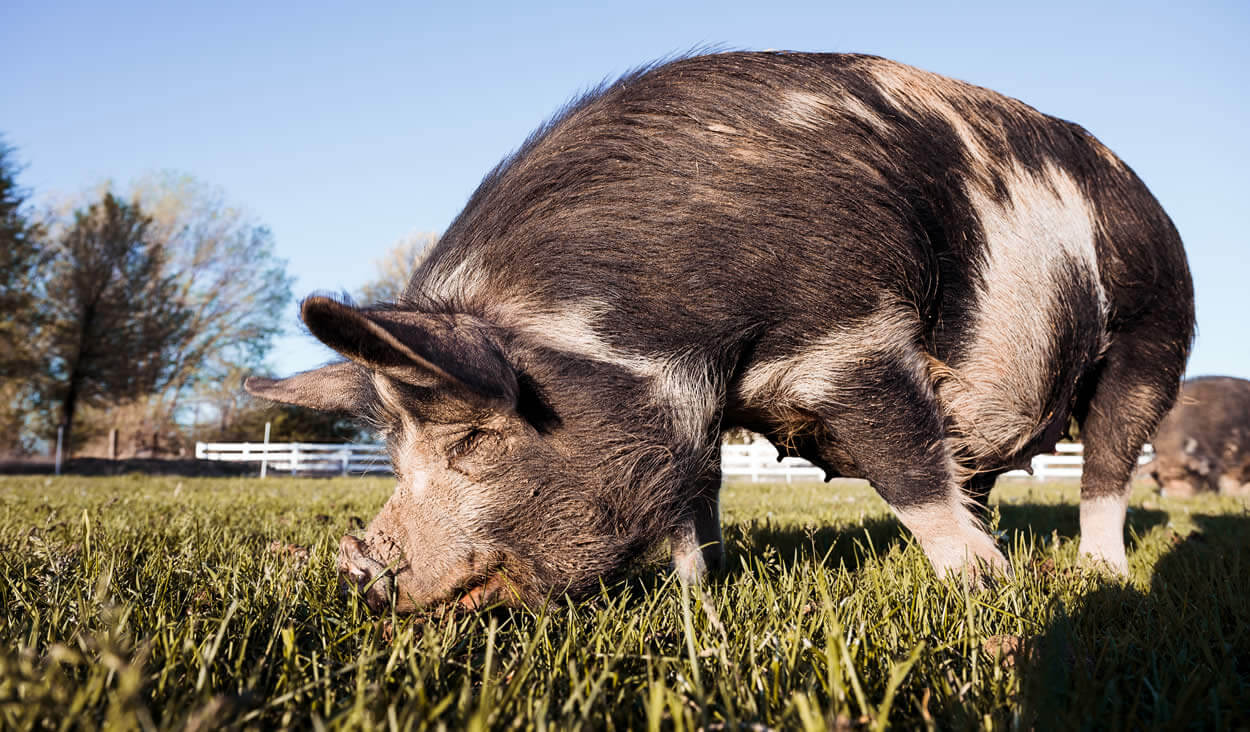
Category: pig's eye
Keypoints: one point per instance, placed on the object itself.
(468, 443)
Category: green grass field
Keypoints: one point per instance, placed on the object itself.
(141, 602)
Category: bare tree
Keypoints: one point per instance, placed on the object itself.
(395, 268)
(142, 304)
(229, 281)
(234, 291)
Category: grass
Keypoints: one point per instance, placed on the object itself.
(140, 602)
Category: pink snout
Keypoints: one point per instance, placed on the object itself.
(363, 575)
(1178, 488)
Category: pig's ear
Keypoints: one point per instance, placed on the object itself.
(332, 388)
(423, 349)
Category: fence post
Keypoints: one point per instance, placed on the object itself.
(294, 458)
(264, 460)
(60, 434)
(113, 444)
(347, 457)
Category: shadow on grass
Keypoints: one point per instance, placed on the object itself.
(846, 544)
(849, 544)
(1173, 654)
(1064, 520)
(785, 545)
(1176, 656)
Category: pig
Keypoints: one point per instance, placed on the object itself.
(895, 275)
(1203, 444)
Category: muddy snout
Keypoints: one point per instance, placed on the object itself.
(363, 575)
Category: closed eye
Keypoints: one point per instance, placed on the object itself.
(467, 443)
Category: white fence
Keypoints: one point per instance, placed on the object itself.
(301, 457)
(756, 461)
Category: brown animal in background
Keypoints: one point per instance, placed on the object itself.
(1203, 444)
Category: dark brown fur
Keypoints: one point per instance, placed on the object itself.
(1203, 444)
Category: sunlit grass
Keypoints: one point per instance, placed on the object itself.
(166, 602)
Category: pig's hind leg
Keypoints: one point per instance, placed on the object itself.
(1130, 391)
(884, 412)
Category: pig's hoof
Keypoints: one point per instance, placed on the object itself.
(1110, 560)
(976, 557)
(690, 567)
(694, 559)
(980, 572)
(693, 563)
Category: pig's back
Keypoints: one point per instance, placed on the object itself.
(744, 205)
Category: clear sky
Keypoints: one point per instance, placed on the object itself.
(344, 126)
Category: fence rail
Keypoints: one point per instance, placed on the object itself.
(301, 457)
(755, 461)
(758, 461)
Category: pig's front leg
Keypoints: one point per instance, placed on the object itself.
(697, 545)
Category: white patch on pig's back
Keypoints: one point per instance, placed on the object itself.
(455, 281)
(812, 110)
(1033, 237)
(681, 384)
(815, 375)
(909, 90)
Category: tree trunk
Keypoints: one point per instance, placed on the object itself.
(74, 384)
(67, 412)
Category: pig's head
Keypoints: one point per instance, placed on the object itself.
(507, 490)
(1181, 473)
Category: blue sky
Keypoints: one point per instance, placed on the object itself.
(343, 127)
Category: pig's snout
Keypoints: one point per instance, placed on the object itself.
(363, 575)
(1178, 488)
